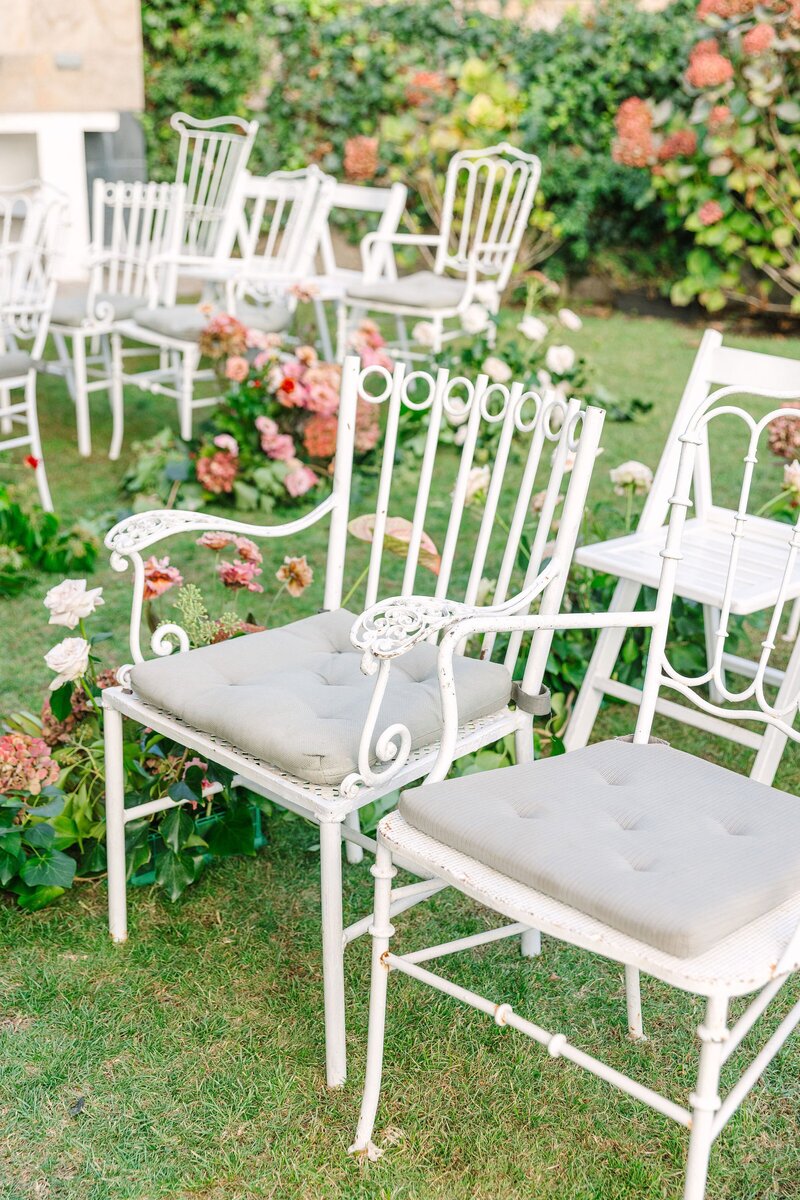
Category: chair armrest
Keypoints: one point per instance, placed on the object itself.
(129, 537)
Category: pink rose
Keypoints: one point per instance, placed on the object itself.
(226, 442)
(237, 368)
(281, 448)
(300, 480)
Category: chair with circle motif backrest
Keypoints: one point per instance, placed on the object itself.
(443, 529)
(661, 862)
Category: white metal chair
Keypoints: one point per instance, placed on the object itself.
(488, 199)
(135, 226)
(211, 157)
(270, 221)
(27, 291)
(334, 741)
(636, 561)
(656, 860)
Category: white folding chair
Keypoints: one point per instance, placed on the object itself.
(488, 199)
(211, 157)
(635, 851)
(336, 741)
(27, 291)
(135, 226)
(635, 560)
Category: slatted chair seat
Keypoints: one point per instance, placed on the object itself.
(670, 849)
(74, 307)
(296, 697)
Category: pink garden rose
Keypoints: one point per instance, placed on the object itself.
(237, 368)
(224, 441)
(300, 479)
(281, 448)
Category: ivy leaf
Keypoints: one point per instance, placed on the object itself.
(52, 869)
(233, 833)
(34, 898)
(41, 836)
(175, 872)
(182, 791)
(52, 809)
(60, 701)
(176, 828)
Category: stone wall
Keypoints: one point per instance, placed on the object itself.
(70, 56)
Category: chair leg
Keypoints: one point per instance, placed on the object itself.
(354, 853)
(81, 395)
(342, 330)
(705, 1099)
(32, 419)
(188, 365)
(115, 825)
(601, 665)
(530, 943)
(633, 1003)
(66, 363)
(523, 743)
(711, 619)
(116, 398)
(794, 622)
(382, 930)
(774, 741)
(6, 424)
(323, 330)
(333, 951)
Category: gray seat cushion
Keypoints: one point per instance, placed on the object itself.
(186, 321)
(296, 697)
(72, 308)
(422, 289)
(658, 844)
(15, 364)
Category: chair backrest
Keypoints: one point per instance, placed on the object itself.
(751, 700)
(211, 156)
(715, 365)
(486, 503)
(274, 220)
(488, 199)
(132, 225)
(385, 204)
(32, 214)
(27, 292)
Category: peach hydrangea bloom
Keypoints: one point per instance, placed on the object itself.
(217, 472)
(758, 39)
(25, 764)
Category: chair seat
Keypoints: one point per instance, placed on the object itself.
(186, 322)
(422, 289)
(72, 309)
(706, 551)
(667, 848)
(296, 697)
(15, 364)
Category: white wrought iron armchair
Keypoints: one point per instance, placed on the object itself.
(642, 854)
(635, 560)
(310, 731)
(487, 203)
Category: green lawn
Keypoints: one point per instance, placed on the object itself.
(198, 1046)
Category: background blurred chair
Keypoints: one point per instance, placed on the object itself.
(636, 561)
(488, 198)
(649, 857)
(334, 741)
(134, 227)
(27, 292)
(211, 157)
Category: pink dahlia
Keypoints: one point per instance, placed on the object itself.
(240, 575)
(248, 551)
(300, 479)
(322, 386)
(159, 577)
(281, 447)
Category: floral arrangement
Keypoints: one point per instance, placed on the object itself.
(272, 439)
(725, 158)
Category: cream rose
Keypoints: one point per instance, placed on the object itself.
(424, 332)
(478, 481)
(533, 329)
(71, 601)
(497, 370)
(570, 320)
(69, 659)
(633, 475)
(559, 359)
(791, 477)
(474, 319)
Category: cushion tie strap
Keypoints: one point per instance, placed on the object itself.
(537, 705)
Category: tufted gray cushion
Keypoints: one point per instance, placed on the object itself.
(186, 322)
(72, 309)
(422, 289)
(663, 846)
(295, 696)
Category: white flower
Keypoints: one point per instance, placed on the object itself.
(497, 370)
(537, 502)
(571, 457)
(791, 477)
(533, 328)
(460, 436)
(486, 293)
(70, 602)
(633, 475)
(544, 378)
(485, 591)
(69, 659)
(474, 319)
(559, 359)
(424, 332)
(477, 482)
(570, 320)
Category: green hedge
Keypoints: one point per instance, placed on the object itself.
(316, 72)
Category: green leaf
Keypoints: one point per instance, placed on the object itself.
(233, 833)
(182, 791)
(175, 872)
(40, 836)
(176, 828)
(52, 869)
(34, 898)
(60, 701)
